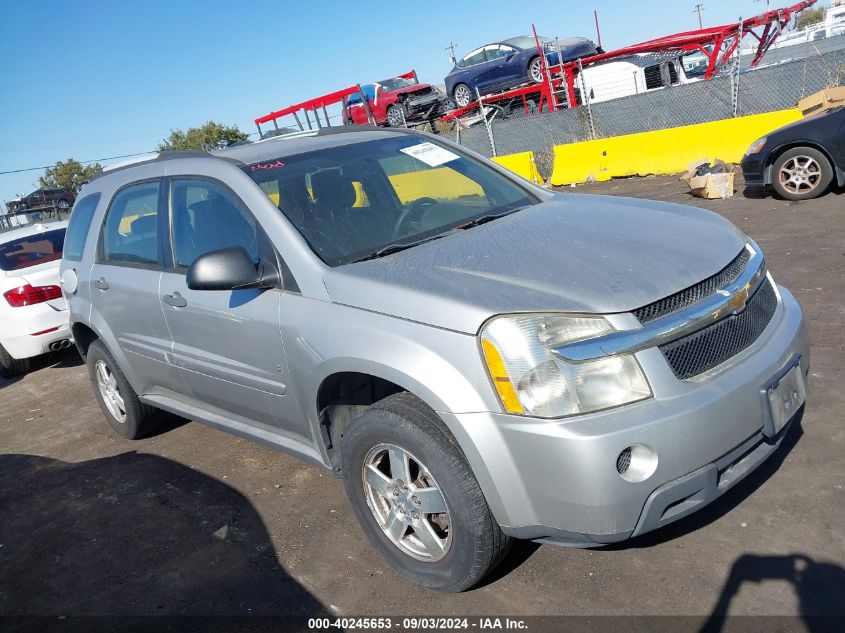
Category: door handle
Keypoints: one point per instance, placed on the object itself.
(101, 283)
(176, 300)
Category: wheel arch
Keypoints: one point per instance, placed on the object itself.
(348, 386)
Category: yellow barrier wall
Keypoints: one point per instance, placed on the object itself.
(663, 151)
(522, 164)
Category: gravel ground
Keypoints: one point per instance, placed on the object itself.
(194, 521)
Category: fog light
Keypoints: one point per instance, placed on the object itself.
(636, 463)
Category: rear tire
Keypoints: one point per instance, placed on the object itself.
(801, 173)
(63, 204)
(126, 414)
(445, 536)
(535, 70)
(462, 95)
(12, 367)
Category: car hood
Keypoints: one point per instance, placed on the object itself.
(571, 253)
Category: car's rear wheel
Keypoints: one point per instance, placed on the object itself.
(395, 117)
(416, 497)
(462, 95)
(125, 413)
(801, 173)
(535, 70)
(11, 367)
(63, 204)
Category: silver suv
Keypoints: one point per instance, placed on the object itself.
(478, 358)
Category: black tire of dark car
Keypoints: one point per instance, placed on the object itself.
(394, 116)
(11, 367)
(140, 419)
(801, 173)
(63, 204)
(476, 543)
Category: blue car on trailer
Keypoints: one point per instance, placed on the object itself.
(510, 63)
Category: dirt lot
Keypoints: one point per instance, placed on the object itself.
(194, 521)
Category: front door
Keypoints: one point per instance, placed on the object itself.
(124, 286)
(228, 344)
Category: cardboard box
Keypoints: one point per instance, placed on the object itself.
(711, 186)
(822, 101)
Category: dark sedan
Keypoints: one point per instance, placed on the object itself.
(509, 63)
(799, 161)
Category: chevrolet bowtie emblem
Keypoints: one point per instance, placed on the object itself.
(736, 301)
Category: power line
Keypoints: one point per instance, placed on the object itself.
(84, 162)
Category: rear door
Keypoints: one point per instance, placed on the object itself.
(125, 285)
(227, 344)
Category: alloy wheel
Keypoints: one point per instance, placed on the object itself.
(407, 503)
(107, 383)
(462, 95)
(800, 175)
(536, 70)
(395, 118)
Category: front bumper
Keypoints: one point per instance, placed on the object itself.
(754, 170)
(556, 480)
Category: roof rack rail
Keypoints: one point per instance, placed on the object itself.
(158, 157)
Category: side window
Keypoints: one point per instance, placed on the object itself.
(653, 77)
(475, 57)
(131, 234)
(80, 223)
(205, 217)
(493, 52)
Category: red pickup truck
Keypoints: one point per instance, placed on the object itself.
(395, 102)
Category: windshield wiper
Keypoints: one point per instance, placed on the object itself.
(395, 248)
(489, 217)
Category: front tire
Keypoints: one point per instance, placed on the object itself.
(130, 418)
(394, 116)
(12, 367)
(416, 497)
(801, 173)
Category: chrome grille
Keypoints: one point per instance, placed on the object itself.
(695, 293)
(711, 346)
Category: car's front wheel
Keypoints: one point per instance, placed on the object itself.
(801, 173)
(462, 95)
(395, 117)
(416, 497)
(126, 414)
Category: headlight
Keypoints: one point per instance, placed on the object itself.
(756, 146)
(530, 380)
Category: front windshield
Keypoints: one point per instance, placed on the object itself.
(394, 84)
(352, 201)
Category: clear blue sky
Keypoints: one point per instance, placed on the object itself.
(104, 78)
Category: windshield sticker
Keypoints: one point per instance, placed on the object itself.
(258, 166)
(429, 153)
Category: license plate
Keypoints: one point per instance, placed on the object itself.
(786, 396)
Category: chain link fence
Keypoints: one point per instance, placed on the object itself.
(741, 91)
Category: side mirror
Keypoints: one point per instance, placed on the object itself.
(229, 268)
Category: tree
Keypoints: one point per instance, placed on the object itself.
(69, 174)
(210, 136)
(809, 17)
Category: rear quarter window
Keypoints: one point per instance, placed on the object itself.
(80, 224)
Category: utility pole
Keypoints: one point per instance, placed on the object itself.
(698, 9)
(451, 49)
